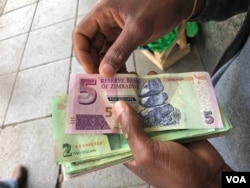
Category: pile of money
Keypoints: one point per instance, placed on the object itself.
(86, 132)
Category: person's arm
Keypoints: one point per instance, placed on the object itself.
(106, 37)
(219, 10)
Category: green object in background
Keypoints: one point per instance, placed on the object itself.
(192, 29)
(162, 44)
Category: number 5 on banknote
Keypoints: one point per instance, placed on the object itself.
(208, 116)
(87, 95)
(108, 111)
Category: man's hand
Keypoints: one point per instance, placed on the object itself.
(107, 36)
(169, 164)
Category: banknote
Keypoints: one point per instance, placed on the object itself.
(162, 102)
(79, 156)
(80, 167)
(71, 148)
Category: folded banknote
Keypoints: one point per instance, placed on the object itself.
(162, 102)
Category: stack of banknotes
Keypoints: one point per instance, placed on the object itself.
(87, 135)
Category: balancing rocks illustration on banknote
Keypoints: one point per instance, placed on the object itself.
(157, 110)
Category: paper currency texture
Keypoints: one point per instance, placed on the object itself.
(162, 102)
(80, 154)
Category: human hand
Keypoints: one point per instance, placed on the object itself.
(106, 37)
(169, 164)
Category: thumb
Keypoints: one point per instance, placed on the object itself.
(118, 53)
(131, 127)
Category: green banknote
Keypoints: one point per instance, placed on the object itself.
(69, 148)
(82, 167)
(79, 154)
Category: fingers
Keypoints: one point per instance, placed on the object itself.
(131, 165)
(123, 69)
(83, 53)
(82, 37)
(92, 46)
(132, 129)
(118, 53)
(139, 143)
(214, 161)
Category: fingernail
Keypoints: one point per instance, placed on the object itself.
(119, 107)
(107, 70)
